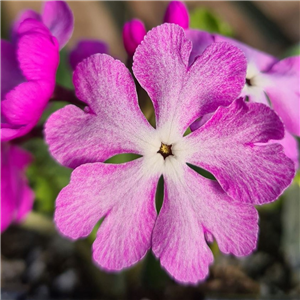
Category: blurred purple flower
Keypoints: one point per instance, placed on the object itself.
(84, 49)
(28, 69)
(16, 196)
(194, 208)
(269, 81)
(56, 16)
(133, 33)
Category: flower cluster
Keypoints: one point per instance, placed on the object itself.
(195, 80)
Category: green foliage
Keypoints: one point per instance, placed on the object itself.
(46, 176)
(64, 72)
(293, 51)
(203, 19)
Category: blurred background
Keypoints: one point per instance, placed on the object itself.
(37, 263)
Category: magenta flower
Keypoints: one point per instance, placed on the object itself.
(56, 16)
(28, 70)
(177, 13)
(16, 196)
(133, 33)
(231, 145)
(84, 49)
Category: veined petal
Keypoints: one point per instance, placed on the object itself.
(258, 61)
(182, 93)
(37, 51)
(84, 49)
(200, 39)
(125, 195)
(290, 147)
(281, 84)
(229, 146)
(113, 122)
(195, 207)
(58, 17)
(11, 74)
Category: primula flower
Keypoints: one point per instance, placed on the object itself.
(16, 196)
(56, 16)
(28, 70)
(84, 49)
(133, 33)
(231, 145)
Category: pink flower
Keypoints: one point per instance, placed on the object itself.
(270, 81)
(231, 145)
(177, 13)
(133, 33)
(16, 196)
(28, 70)
(56, 16)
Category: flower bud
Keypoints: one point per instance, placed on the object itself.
(177, 13)
(133, 33)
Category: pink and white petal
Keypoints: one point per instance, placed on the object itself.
(195, 208)
(230, 146)
(290, 147)
(123, 194)
(37, 51)
(11, 74)
(200, 39)
(182, 93)
(255, 94)
(281, 84)
(58, 17)
(113, 122)
(84, 49)
(258, 61)
(27, 14)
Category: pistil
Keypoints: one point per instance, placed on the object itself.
(165, 150)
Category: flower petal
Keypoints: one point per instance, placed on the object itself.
(26, 14)
(125, 195)
(195, 207)
(229, 146)
(180, 93)
(58, 17)
(290, 147)
(112, 124)
(281, 84)
(11, 74)
(16, 196)
(84, 49)
(258, 61)
(37, 51)
(200, 39)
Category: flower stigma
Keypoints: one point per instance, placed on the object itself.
(165, 150)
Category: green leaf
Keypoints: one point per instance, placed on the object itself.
(46, 176)
(203, 19)
(64, 71)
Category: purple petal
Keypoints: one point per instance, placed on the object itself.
(84, 49)
(193, 208)
(256, 59)
(125, 195)
(177, 13)
(133, 34)
(113, 122)
(38, 59)
(229, 146)
(290, 147)
(281, 84)
(11, 74)
(58, 17)
(27, 14)
(200, 39)
(180, 93)
(16, 196)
